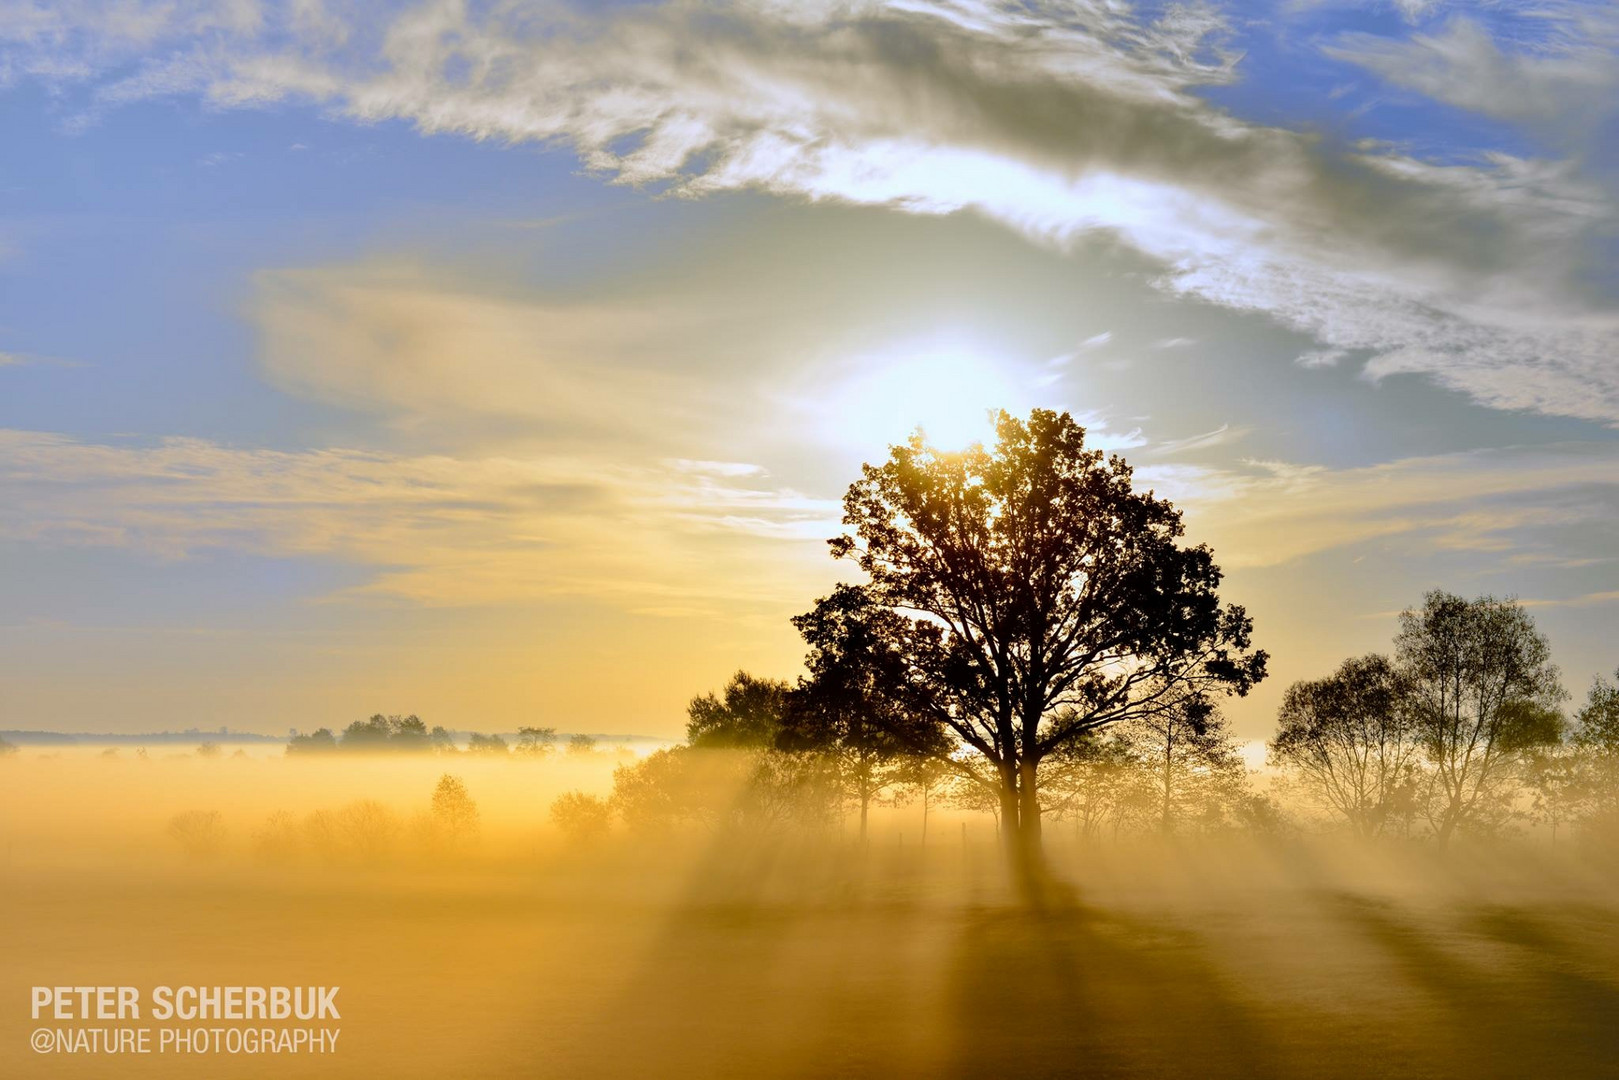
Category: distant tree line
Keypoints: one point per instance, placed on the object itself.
(397, 733)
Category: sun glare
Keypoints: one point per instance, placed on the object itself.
(950, 394)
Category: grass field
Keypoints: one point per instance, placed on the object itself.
(810, 958)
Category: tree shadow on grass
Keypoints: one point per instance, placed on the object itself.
(1062, 990)
(1510, 997)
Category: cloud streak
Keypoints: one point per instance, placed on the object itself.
(1061, 121)
(1507, 502)
(443, 530)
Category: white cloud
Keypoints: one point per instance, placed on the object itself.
(1058, 120)
(1566, 84)
(1220, 436)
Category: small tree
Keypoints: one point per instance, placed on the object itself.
(536, 741)
(581, 745)
(746, 715)
(850, 709)
(1188, 762)
(371, 733)
(925, 778)
(7, 747)
(582, 818)
(491, 745)
(1595, 741)
(1596, 725)
(1560, 786)
(200, 833)
(1093, 782)
(1349, 743)
(316, 742)
(455, 815)
(1484, 695)
(278, 840)
(366, 829)
(208, 750)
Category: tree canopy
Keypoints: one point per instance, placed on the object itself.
(1030, 594)
(1483, 694)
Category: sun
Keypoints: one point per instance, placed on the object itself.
(950, 393)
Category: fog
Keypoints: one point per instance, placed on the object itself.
(517, 950)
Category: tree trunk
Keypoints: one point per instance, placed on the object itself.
(1447, 826)
(1010, 826)
(1167, 822)
(865, 802)
(1029, 805)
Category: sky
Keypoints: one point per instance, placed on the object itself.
(505, 362)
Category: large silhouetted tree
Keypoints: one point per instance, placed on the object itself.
(1484, 694)
(1030, 581)
(1350, 742)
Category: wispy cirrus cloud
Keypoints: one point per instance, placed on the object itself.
(1563, 80)
(436, 529)
(1061, 121)
(468, 530)
(1514, 501)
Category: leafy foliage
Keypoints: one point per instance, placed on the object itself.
(1032, 595)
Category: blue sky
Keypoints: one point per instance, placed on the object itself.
(464, 359)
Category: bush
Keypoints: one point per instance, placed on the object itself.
(582, 818)
(278, 840)
(363, 831)
(200, 833)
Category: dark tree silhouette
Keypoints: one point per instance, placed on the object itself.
(1032, 582)
(536, 741)
(1350, 742)
(493, 745)
(316, 742)
(1484, 694)
(852, 707)
(1585, 782)
(1596, 725)
(746, 715)
(396, 732)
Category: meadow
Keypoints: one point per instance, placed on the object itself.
(800, 953)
